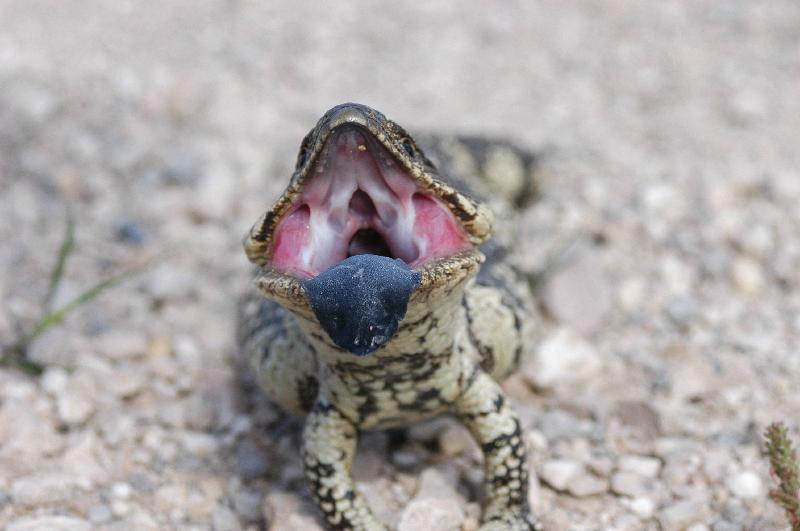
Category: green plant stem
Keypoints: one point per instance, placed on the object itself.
(785, 466)
(15, 354)
(67, 246)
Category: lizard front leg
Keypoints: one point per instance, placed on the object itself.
(486, 412)
(329, 444)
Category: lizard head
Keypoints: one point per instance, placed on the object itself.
(366, 224)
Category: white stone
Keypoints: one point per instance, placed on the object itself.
(424, 514)
(54, 380)
(74, 407)
(127, 381)
(120, 508)
(286, 512)
(169, 281)
(44, 488)
(747, 275)
(746, 485)
(225, 519)
(455, 439)
(26, 435)
(433, 483)
(99, 514)
(49, 523)
(199, 443)
(81, 461)
(643, 507)
(648, 467)
(559, 472)
(562, 357)
(587, 485)
(121, 491)
(677, 276)
(633, 485)
(121, 344)
(382, 499)
(681, 515)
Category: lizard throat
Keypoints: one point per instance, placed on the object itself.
(358, 199)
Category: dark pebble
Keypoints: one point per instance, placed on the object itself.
(130, 232)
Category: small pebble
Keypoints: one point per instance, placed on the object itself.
(643, 507)
(42, 488)
(633, 485)
(74, 407)
(746, 485)
(562, 358)
(49, 523)
(121, 491)
(55, 380)
(202, 445)
(681, 515)
(130, 232)
(120, 508)
(647, 467)
(121, 344)
(181, 170)
(747, 275)
(587, 485)
(559, 424)
(99, 514)
(250, 461)
(424, 514)
(558, 473)
(455, 439)
(128, 381)
(224, 519)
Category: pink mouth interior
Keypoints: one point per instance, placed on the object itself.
(359, 200)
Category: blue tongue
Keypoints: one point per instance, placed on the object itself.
(360, 300)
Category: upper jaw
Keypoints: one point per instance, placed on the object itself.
(358, 199)
(386, 142)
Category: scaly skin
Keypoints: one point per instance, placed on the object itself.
(467, 327)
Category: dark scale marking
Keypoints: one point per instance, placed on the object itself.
(486, 352)
(453, 199)
(502, 440)
(266, 227)
(368, 407)
(307, 390)
(499, 402)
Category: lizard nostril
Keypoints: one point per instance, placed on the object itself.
(361, 204)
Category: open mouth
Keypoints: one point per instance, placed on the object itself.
(359, 199)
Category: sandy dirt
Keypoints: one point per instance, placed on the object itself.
(670, 181)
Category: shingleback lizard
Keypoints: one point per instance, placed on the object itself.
(386, 304)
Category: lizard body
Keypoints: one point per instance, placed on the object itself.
(386, 304)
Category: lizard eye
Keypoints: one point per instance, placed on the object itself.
(408, 147)
(305, 149)
(302, 156)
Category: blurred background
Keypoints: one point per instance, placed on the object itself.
(669, 168)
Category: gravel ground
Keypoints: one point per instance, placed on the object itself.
(670, 179)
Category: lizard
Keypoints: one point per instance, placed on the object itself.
(384, 301)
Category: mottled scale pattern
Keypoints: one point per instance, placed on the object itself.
(467, 327)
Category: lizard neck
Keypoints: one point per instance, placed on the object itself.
(414, 376)
(432, 321)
